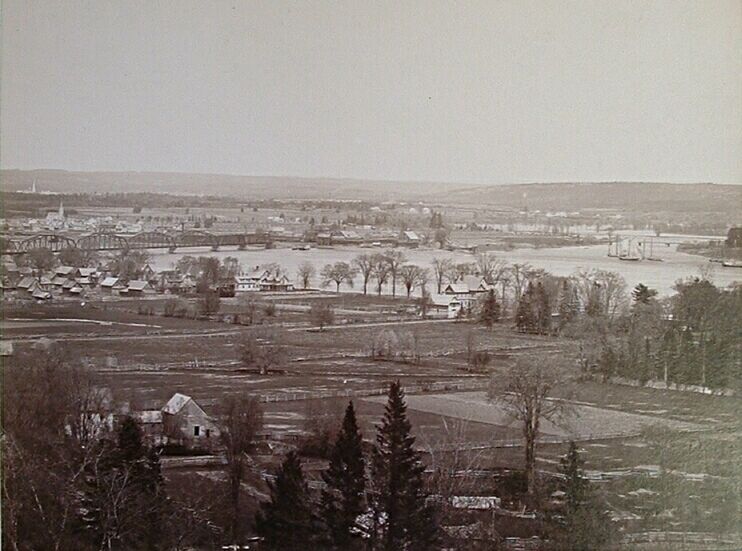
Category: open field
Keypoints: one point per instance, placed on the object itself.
(144, 359)
(580, 422)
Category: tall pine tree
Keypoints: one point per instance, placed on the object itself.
(585, 525)
(569, 307)
(344, 499)
(542, 308)
(525, 320)
(286, 522)
(489, 312)
(404, 519)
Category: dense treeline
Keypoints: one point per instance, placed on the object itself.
(691, 337)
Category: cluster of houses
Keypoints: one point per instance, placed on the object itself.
(79, 282)
(67, 281)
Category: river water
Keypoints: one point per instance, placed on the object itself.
(560, 261)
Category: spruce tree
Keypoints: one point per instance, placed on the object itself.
(585, 527)
(286, 522)
(542, 310)
(405, 519)
(343, 500)
(489, 313)
(568, 304)
(524, 315)
(571, 468)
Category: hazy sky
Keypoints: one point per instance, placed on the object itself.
(490, 91)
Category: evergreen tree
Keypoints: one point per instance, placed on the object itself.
(404, 520)
(571, 466)
(542, 308)
(130, 440)
(343, 500)
(489, 313)
(524, 315)
(568, 303)
(585, 527)
(286, 522)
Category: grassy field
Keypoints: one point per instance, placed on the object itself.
(660, 478)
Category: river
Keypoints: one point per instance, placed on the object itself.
(559, 261)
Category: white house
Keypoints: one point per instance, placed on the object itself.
(468, 290)
(448, 304)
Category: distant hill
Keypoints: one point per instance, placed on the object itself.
(631, 196)
(638, 197)
(250, 187)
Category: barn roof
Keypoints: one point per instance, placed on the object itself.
(176, 403)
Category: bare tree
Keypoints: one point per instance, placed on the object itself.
(321, 314)
(491, 268)
(412, 276)
(365, 264)
(242, 418)
(53, 416)
(395, 259)
(519, 277)
(262, 352)
(601, 292)
(305, 273)
(424, 303)
(381, 271)
(441, 269)
(459, 270)
(338, 273)
(248, 307)
(525, 391)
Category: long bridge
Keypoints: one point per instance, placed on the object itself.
(109, 241)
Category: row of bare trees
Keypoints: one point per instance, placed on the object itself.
(382, 268)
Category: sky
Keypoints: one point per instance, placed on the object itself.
(473, 91)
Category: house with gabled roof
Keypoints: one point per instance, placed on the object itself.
(467, 290)
(112, 286)
(28, 284)
(185, 422)
(445, 304)
(409, 238)
(138, 287)
(276, 283)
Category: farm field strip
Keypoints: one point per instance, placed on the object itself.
(585, 422)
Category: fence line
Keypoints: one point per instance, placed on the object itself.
(356, 393)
